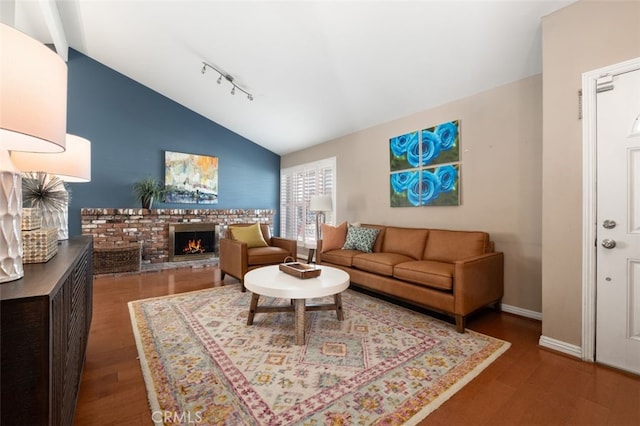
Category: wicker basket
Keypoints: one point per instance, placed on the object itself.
(114, 258)
(39, 245)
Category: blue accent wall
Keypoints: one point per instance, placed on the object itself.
(131, 126)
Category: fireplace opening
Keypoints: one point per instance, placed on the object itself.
(192, 241)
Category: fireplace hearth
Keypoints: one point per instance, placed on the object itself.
(192, 241)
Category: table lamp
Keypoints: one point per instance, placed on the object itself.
(72, 165)
(33, 102)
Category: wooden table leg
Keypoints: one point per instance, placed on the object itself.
(337, 299)
(299, 320)
(252, 307)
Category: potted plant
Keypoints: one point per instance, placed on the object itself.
(147, 190)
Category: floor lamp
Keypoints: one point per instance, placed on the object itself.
(319, 204)
(33, 118)
(72, 165)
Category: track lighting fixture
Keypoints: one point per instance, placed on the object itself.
(227, 77)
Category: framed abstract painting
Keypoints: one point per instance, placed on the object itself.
(190, 178)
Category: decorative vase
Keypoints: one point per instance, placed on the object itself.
(59, 219)
(10, 225)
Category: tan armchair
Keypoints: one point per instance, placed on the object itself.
(236, 259)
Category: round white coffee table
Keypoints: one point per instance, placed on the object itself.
(271, 281)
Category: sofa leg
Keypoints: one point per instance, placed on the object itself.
(222, 274)
(459, 323)
(242, 287)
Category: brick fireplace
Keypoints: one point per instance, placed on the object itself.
(151, 227)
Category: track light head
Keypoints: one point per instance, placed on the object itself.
(250, 97)
(204, 69)
(233, 91)
(220, 79)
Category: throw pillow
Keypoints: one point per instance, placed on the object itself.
(360, 238)
(252, 235)
(333, 237)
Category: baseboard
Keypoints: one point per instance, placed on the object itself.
(559, 346)
(521, 312)
(545, 342)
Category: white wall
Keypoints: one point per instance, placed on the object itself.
(579, 38)
(501, 153)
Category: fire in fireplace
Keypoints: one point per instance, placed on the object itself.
(194, 247)
(192, 241)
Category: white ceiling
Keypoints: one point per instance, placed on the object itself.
(318, 70)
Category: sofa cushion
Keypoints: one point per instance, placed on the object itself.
(377, 246)
(266, 255)
(379, 263)
(449, 246)
(360, 238)
(427, 273)
(407, 241)
(333, 237)
(340, 257)
(251, 235)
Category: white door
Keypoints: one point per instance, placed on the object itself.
(618, 225)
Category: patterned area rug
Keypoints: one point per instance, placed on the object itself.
(383, 364)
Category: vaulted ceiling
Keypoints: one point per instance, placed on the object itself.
(317, 70)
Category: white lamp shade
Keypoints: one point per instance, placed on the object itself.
(72, 165)
(321, 203)
(33, 94)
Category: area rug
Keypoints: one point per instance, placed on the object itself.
(383, 364)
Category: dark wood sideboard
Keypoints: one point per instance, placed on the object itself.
(45, 318)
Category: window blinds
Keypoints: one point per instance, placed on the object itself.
(297, 185)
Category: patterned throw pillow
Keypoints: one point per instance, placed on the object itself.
(360, 238)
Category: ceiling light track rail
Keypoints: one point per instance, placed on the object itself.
(227, 77)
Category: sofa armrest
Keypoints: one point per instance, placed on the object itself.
(233, 257)
(284, 243)
(478, 281)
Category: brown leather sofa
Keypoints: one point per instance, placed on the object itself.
(455, 272)
(236, 259)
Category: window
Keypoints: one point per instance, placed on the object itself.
(297, 185)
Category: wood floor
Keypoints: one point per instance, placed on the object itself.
(526, 386)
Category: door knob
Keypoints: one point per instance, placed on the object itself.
(608, 243)
(609, 224)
